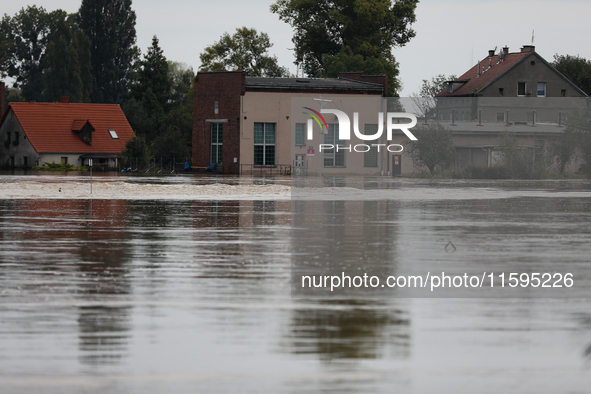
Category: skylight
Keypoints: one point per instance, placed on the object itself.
(114, 134)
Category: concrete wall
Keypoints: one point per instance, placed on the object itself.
(286, 110)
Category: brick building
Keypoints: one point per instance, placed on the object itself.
(243, 123)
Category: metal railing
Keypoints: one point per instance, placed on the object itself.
(278, 169)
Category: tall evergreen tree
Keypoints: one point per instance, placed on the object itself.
(153, 74)
(67, 63)
(110, 26)
(151, 93)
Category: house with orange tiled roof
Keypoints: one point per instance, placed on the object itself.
(519, 93)
(38, 133)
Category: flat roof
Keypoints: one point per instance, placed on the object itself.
(311, 84)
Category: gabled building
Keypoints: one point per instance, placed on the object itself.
(520, 93)
(37, 133)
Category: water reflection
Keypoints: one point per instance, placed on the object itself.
(130, 296)
(351, 329)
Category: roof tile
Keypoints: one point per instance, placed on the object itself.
(48, 126)
(475, 82)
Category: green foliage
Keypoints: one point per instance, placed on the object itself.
(522, 162)
(579, 126)
(370, 28)
(23, 44)
(245, 50)
(59, 167)
(433, 149)
(135, 151)
(171, 145)
(424, 101)
(181, 77)
(67, 63)
(576, 69)
(346, 60)
(563, 149)
(110, 26)
(154, 75)
(481, 172)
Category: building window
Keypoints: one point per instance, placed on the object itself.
(113, 134)
(541, 91)
(370, 158)
(521, 88)
(217, 137)
(563, 93)
(64, 161)
(264, 144)
(501, 91)
(500, 116)
(334, 157)
(16, 138)
(300, 134)
(8, 137)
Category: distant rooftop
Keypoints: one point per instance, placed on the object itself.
(311, 84)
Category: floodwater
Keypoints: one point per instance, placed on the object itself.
(152, 293)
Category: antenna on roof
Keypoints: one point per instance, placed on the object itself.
(532, 37)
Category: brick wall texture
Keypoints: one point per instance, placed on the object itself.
(226, 88)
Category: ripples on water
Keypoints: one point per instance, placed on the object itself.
(130, 296)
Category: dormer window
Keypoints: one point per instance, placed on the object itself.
(113, 134)
(84, 129)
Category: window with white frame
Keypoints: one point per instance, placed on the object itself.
(370, 158)
(217, 142)
(264, 144)
(334, 157)
(300, 134)
(541, 91)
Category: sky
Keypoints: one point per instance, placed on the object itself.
(451, 35)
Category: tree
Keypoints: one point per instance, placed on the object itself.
(370, 28)
(579, 125)
(563, 148)
(181, 77)
(345, 61)
(24, 41)
(66, 63)
(136, 153)
(521, 162)
(424, 101)
(434, 147)
(576, 69)
(154, 75)
(150, 96)
(245, 50)
(171, 145)
(110, 26)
